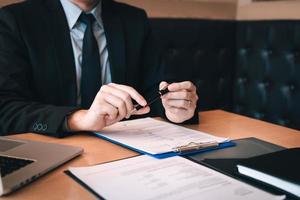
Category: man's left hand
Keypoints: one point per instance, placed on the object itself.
(180, 102)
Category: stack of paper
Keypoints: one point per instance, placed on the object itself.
(173, 178)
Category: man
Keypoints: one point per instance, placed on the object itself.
(80, 65)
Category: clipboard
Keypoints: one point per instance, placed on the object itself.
(178, 151)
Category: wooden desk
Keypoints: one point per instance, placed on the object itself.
(56, 185)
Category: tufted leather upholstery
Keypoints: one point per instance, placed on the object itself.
(248, 67)
(267, 80)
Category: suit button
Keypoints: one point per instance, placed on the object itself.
(39, 127)
(35, 126)
(45, 127)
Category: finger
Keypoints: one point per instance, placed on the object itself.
(165, 104)
(122, 95)
(184, 95)
(176, 110)
(186, 85)
(187, 96)
(109, 121)
(141, 111)
(184, 104)
(110, 111)
(132, 92)
(118, 103)
(163, 85)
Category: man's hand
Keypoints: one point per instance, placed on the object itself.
(180, 103)
(112, 104)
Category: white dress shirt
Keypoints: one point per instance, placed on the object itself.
(77, 30)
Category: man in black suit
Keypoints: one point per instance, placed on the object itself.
(79, 65)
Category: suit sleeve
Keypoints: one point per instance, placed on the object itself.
(20, 111)
(155, 72)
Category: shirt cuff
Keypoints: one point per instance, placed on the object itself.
(65, 126)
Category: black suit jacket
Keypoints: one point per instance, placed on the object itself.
(37, 69)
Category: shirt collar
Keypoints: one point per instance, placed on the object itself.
(97, 12)
(73, 12)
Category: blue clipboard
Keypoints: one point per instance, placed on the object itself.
(168, 154)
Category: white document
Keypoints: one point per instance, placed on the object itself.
(174, 178)
(154, 136)
(1, 185)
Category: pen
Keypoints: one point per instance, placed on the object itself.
(193, 146)
(151, 101)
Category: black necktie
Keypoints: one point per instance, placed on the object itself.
(90, 67)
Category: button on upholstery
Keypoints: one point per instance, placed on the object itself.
(244, 51)
(172, 52)
(259, 115)
(270, 52)
(199, 52)
(292, 87)
(266, 84)
(283, 121)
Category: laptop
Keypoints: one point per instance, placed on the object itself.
(22, 161)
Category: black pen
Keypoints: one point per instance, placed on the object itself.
(151, 101)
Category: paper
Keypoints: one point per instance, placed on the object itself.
(1, 185)
(155, 137)
(174, 178)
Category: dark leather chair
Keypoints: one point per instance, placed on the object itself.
(247, 67)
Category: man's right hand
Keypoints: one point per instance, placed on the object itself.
(112, 104)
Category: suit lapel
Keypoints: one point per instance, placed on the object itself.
(60, 35)
(115, 40)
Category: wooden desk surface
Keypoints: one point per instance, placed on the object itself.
(56, 185)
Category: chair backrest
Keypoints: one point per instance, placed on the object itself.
(267, 78)
(248, 67)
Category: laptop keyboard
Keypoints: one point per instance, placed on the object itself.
(9, 164)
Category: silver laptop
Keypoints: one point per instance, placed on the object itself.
(22, 161)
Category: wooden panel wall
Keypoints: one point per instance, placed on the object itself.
(221, 9)
(208, 9)
(285, 9)
(6, 2)
(215, 9)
